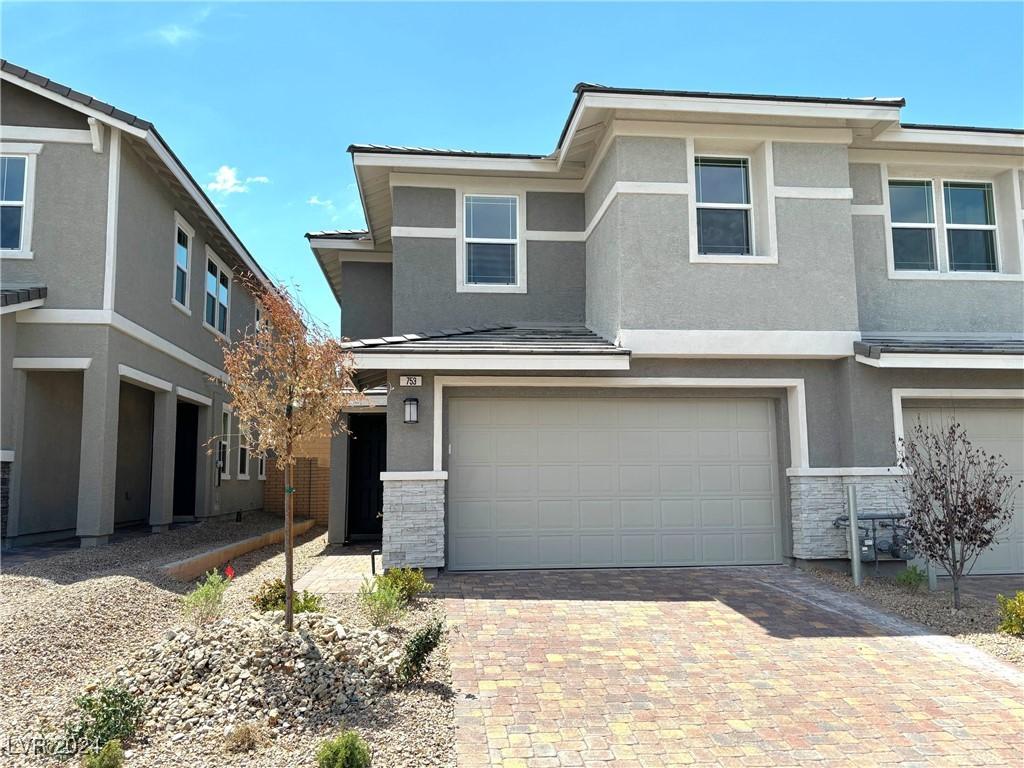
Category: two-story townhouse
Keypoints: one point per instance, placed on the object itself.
(119, 278)
(678, 338)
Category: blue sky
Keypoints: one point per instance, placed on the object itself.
(274, 93)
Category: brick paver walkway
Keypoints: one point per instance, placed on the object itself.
(717, 667)
(340, 571)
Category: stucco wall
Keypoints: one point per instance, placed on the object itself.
(365, 300)
(22, 107)
(134, 455)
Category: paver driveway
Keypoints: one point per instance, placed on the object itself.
(752, 666)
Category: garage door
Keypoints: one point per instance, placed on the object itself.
(592, 482)
(999, 431)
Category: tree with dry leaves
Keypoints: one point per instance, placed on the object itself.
(288, 380)
(959, 498)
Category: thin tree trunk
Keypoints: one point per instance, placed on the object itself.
(288, 588)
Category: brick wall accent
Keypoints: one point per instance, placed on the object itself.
(817, 500)
(5, 494)
(311, 479)
(413, 533)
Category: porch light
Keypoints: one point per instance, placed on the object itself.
(412, 410)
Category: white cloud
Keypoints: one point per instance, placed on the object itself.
(226, 181)
(173, 34)
(327, 205)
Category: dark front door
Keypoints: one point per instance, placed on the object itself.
(367, 449)
(186, 447)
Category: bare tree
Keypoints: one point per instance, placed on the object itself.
(288, 380)
(959, 498)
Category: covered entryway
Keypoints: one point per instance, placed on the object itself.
(563, 482)
(367, 455)
(134, 474)
(186, 453)
(999, 430)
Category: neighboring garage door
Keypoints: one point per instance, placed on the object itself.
(999, 431)
(561, 482)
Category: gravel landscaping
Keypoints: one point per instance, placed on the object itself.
(974, 623)
(91, 616)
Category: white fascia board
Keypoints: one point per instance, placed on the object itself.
(966, 139)
(746, 344)
(413, 476)
(484, 362)
(23, 306)
(51, 363)
(513, 165)
(45, 135)
(924, 360)
(332, 244)
(193, 397)
(933, 158)
(143, 379)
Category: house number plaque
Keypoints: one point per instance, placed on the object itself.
(410, 381)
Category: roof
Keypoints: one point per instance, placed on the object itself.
(339, 234)
(387, 149)
(494, 339)
(968, 128)
(92, 103)
(875, 346)
(14, 294)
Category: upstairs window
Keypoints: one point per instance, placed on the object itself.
(13, 177)
(183, 236)
(492, 239)
(723, 206)
(218, 296)
(912, 207)
(970, 226)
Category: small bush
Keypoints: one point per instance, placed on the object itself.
(382, 602)
(348, 750)
(204, 604)
(111, 756)
(243, 738)
(912, 578)
(417, 648)
(112, 714)
(271, 596)
(1011, 621)
(409, 582)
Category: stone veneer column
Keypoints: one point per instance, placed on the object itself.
(819, 498)
(413, 524)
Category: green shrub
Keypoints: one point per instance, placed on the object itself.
(204, 604)
(111, 756)
(1011, 621)
(271, 596)
(417, 648)
(382, 602)
(109, 715)
(409, 582)
(912, 578)
(346, 751)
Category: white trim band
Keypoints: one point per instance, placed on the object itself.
(143, 379)
(413, 476)
(51, 363)
(765, 344)
(444, 233)
(844, 471)
(193, 397)
(453, 362)
(967, 362)
(815, 193)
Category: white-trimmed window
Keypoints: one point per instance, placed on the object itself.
(491, 257)
(257, 318)
(261, 463)
(224, 447)
(970, 226)
(912, 208)
(17, 183)
(243, 454)
(184, 235)
(217, 293)
(724, 208)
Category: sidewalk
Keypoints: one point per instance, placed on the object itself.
(340, 572)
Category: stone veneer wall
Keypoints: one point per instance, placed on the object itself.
(413, 534)
(817, 500)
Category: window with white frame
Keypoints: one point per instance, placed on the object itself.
(724, 221)
(224, 447)
(258, 318)
(261, 463)
(243, 454)
(912, 210)
(970, 226)
(183, 236)
(491, 240)
(218, 295)
(15, 202)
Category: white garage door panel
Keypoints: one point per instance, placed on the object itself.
(999, 430)
(564, 482)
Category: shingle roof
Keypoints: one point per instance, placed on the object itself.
(494, 339)
(387, 149)
(12, 294)
(875, 346)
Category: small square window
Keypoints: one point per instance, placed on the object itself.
(723, 206)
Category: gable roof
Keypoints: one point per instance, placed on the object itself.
(146, 132)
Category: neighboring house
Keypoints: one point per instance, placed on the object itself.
(119, 278)
(677, 339)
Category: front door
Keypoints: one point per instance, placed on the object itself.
(186, 452)
(367, 451)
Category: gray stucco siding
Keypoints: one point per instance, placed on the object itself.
(24, 108)
(866, 180)
(646, 158)
(602, 180)
(927, 306)
(555, 211)
(425, 297)
(810, 165)
(366, 307)
(9, 334)
(603, 275)
(423, 207)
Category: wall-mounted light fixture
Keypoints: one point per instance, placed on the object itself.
(412, 410)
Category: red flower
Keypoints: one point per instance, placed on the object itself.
(229, 572)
